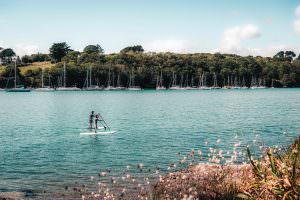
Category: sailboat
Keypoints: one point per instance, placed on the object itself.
(88, 82)
(236, 83)
(272, 84)
(215, 85)
(131, 85)
(244, 84)
(228, 86)
(64, 88)
(111, 83)
(119, 86)
(174, 85)
(16, 87)
(43, 88)
(261, 84)
(202, 83)
(191, 85)
(159, 82)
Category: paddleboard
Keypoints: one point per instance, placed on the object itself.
(99, 127)
(98, 133)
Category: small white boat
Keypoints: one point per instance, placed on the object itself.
(134, 88)
(160, 88)
(44, 89)
(175, 88)
(68, 89)
(204, 88)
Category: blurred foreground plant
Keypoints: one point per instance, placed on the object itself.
(276, 176)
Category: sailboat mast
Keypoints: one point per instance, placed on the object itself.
(108, 84)
(15, 73)
(118, 81)
(42, 77)
(173, 81)
(64, 74)
(161, 79)
(87, 78)
(90, 76)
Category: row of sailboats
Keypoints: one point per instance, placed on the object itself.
(111, 82)
(64, 87)
(185, 84)
(232, 83)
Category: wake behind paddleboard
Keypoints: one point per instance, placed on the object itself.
(98, 133)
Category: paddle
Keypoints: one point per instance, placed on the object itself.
(104, 121)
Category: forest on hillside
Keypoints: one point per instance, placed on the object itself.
(146, 68)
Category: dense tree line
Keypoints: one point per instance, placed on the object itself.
(282, 70)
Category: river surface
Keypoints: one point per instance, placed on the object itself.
(41, 146)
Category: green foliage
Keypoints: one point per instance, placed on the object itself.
(134, 49)
(93, 49)
(285, 56)
(7, 77)
(59, 50)
(280, 71)
(6, 55)
(276, 177)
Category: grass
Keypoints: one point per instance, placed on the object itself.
(33, 66)
(2, 68)
(36, 65)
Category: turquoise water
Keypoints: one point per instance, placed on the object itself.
(40, 145)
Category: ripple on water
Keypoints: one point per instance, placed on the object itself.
(41, 147)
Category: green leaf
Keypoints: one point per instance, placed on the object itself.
(243, 196)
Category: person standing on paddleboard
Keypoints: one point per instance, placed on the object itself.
(91, 119)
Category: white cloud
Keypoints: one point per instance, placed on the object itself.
(272, 50)
(269, 51)
(232, 38)
(22, 49)
(178, 46)
(297, 26)
(297, 12)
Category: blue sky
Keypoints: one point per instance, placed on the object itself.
(230, 26)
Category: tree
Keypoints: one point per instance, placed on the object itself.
(59, 50)
(134, 49)
(93, 49)
(279, 55)
(26, 59)
(39, 57)
(289, 55)
(6, 55)
(285, 56)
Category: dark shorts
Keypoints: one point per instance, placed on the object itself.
(91, 121)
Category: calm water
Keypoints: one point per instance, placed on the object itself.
(40, 146)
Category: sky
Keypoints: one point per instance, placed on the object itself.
(256, 27)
